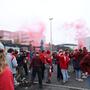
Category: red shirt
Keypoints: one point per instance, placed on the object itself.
(6, 80)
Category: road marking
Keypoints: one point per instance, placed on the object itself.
(70, 87)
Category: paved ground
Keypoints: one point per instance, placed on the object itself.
(35, 87)
(72, 84)
(50, 87)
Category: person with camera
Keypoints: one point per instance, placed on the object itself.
(12, 63)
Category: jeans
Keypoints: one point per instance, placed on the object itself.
(78, 74)
(65, 75)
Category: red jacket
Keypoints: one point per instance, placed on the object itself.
(64, 61)
(6, 80)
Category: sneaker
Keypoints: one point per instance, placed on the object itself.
(84, 76)
(77, 79)
(29, 71)
(80, 80)
(63, 82)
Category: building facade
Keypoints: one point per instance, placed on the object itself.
(6, 35)
(22, 37)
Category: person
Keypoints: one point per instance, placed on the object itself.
(64, 61)
(25, 63)
(20, 58)
(85, 52)
(85, 66)
(76, 63)
(12, 62)
(6, 77)
(59, 74)
(28, 59)
(48, 66)
(36, 65)
(43, 58)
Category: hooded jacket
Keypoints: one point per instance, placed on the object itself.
(64, 61)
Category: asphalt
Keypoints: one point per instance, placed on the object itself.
(72, 84)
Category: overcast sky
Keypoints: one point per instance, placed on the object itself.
(15, 14)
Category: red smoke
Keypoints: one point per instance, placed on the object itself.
(81, 31)
(80, 27)
(35, 32)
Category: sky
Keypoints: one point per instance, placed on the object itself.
(15, 14)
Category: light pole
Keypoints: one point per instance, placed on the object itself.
(50, 19)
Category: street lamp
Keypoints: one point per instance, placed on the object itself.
(50, 19)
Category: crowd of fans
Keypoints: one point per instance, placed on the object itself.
(13, 63)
